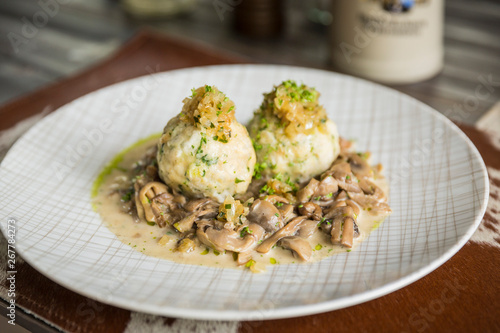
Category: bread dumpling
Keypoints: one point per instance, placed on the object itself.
(204, 151)
(292, 135)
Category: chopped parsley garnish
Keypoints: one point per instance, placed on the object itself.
(237, 180)
(209, 161)
(245, 231)
(127, 196)
(267, 189)
(250, 263)
(202, 141)
(258, 169)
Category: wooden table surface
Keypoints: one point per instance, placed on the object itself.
(86, 32)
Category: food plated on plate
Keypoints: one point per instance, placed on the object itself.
(209, 192)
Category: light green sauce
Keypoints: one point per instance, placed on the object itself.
(114, 164)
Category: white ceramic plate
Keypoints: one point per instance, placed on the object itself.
(438, 185)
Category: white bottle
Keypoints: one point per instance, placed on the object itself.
(390, 41)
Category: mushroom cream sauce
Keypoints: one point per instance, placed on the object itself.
(145, 238)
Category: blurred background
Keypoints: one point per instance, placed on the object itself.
(42, 41)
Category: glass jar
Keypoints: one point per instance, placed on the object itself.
(390, 41)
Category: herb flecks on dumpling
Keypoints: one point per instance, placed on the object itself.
(292, 134)
(205, 151)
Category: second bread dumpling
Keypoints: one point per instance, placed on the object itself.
(204, 151)
(292, 135)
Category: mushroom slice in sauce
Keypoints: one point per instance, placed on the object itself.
(372, 199)
(266, 215)
(311, 211)
(287, 212)
(354, 206)
(347, 232)
(289, 230)
(224, 239)
(326, 187)
(199, 204)
(372, 190)
(273, 198)
(343, 225)
(307, 228)
(186, 223)
(359, 166)
(306, 193)
(342, 173)
(299, 247)
(146, 194)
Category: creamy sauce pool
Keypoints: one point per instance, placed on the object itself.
(145, 238)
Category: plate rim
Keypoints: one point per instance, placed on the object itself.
(291, 311)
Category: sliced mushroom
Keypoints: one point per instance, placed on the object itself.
(166, 210)
(299, 247)
(307, 228)
(344, 227)
(326, 226)
(359, 166)
(266, 215)
(336, 231)
(347, 232)
(323, 203)
(289, 230)
(370, 189)
(186, 223)
(274, 198)
(306, 193)
(179, 198)
(345, 179)
(286, 212)
(342, 196)
(145, 196)
(326, 187)
(197, 205)
(224, 239)
(354, 206)
(373, 200)
(311, 211)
